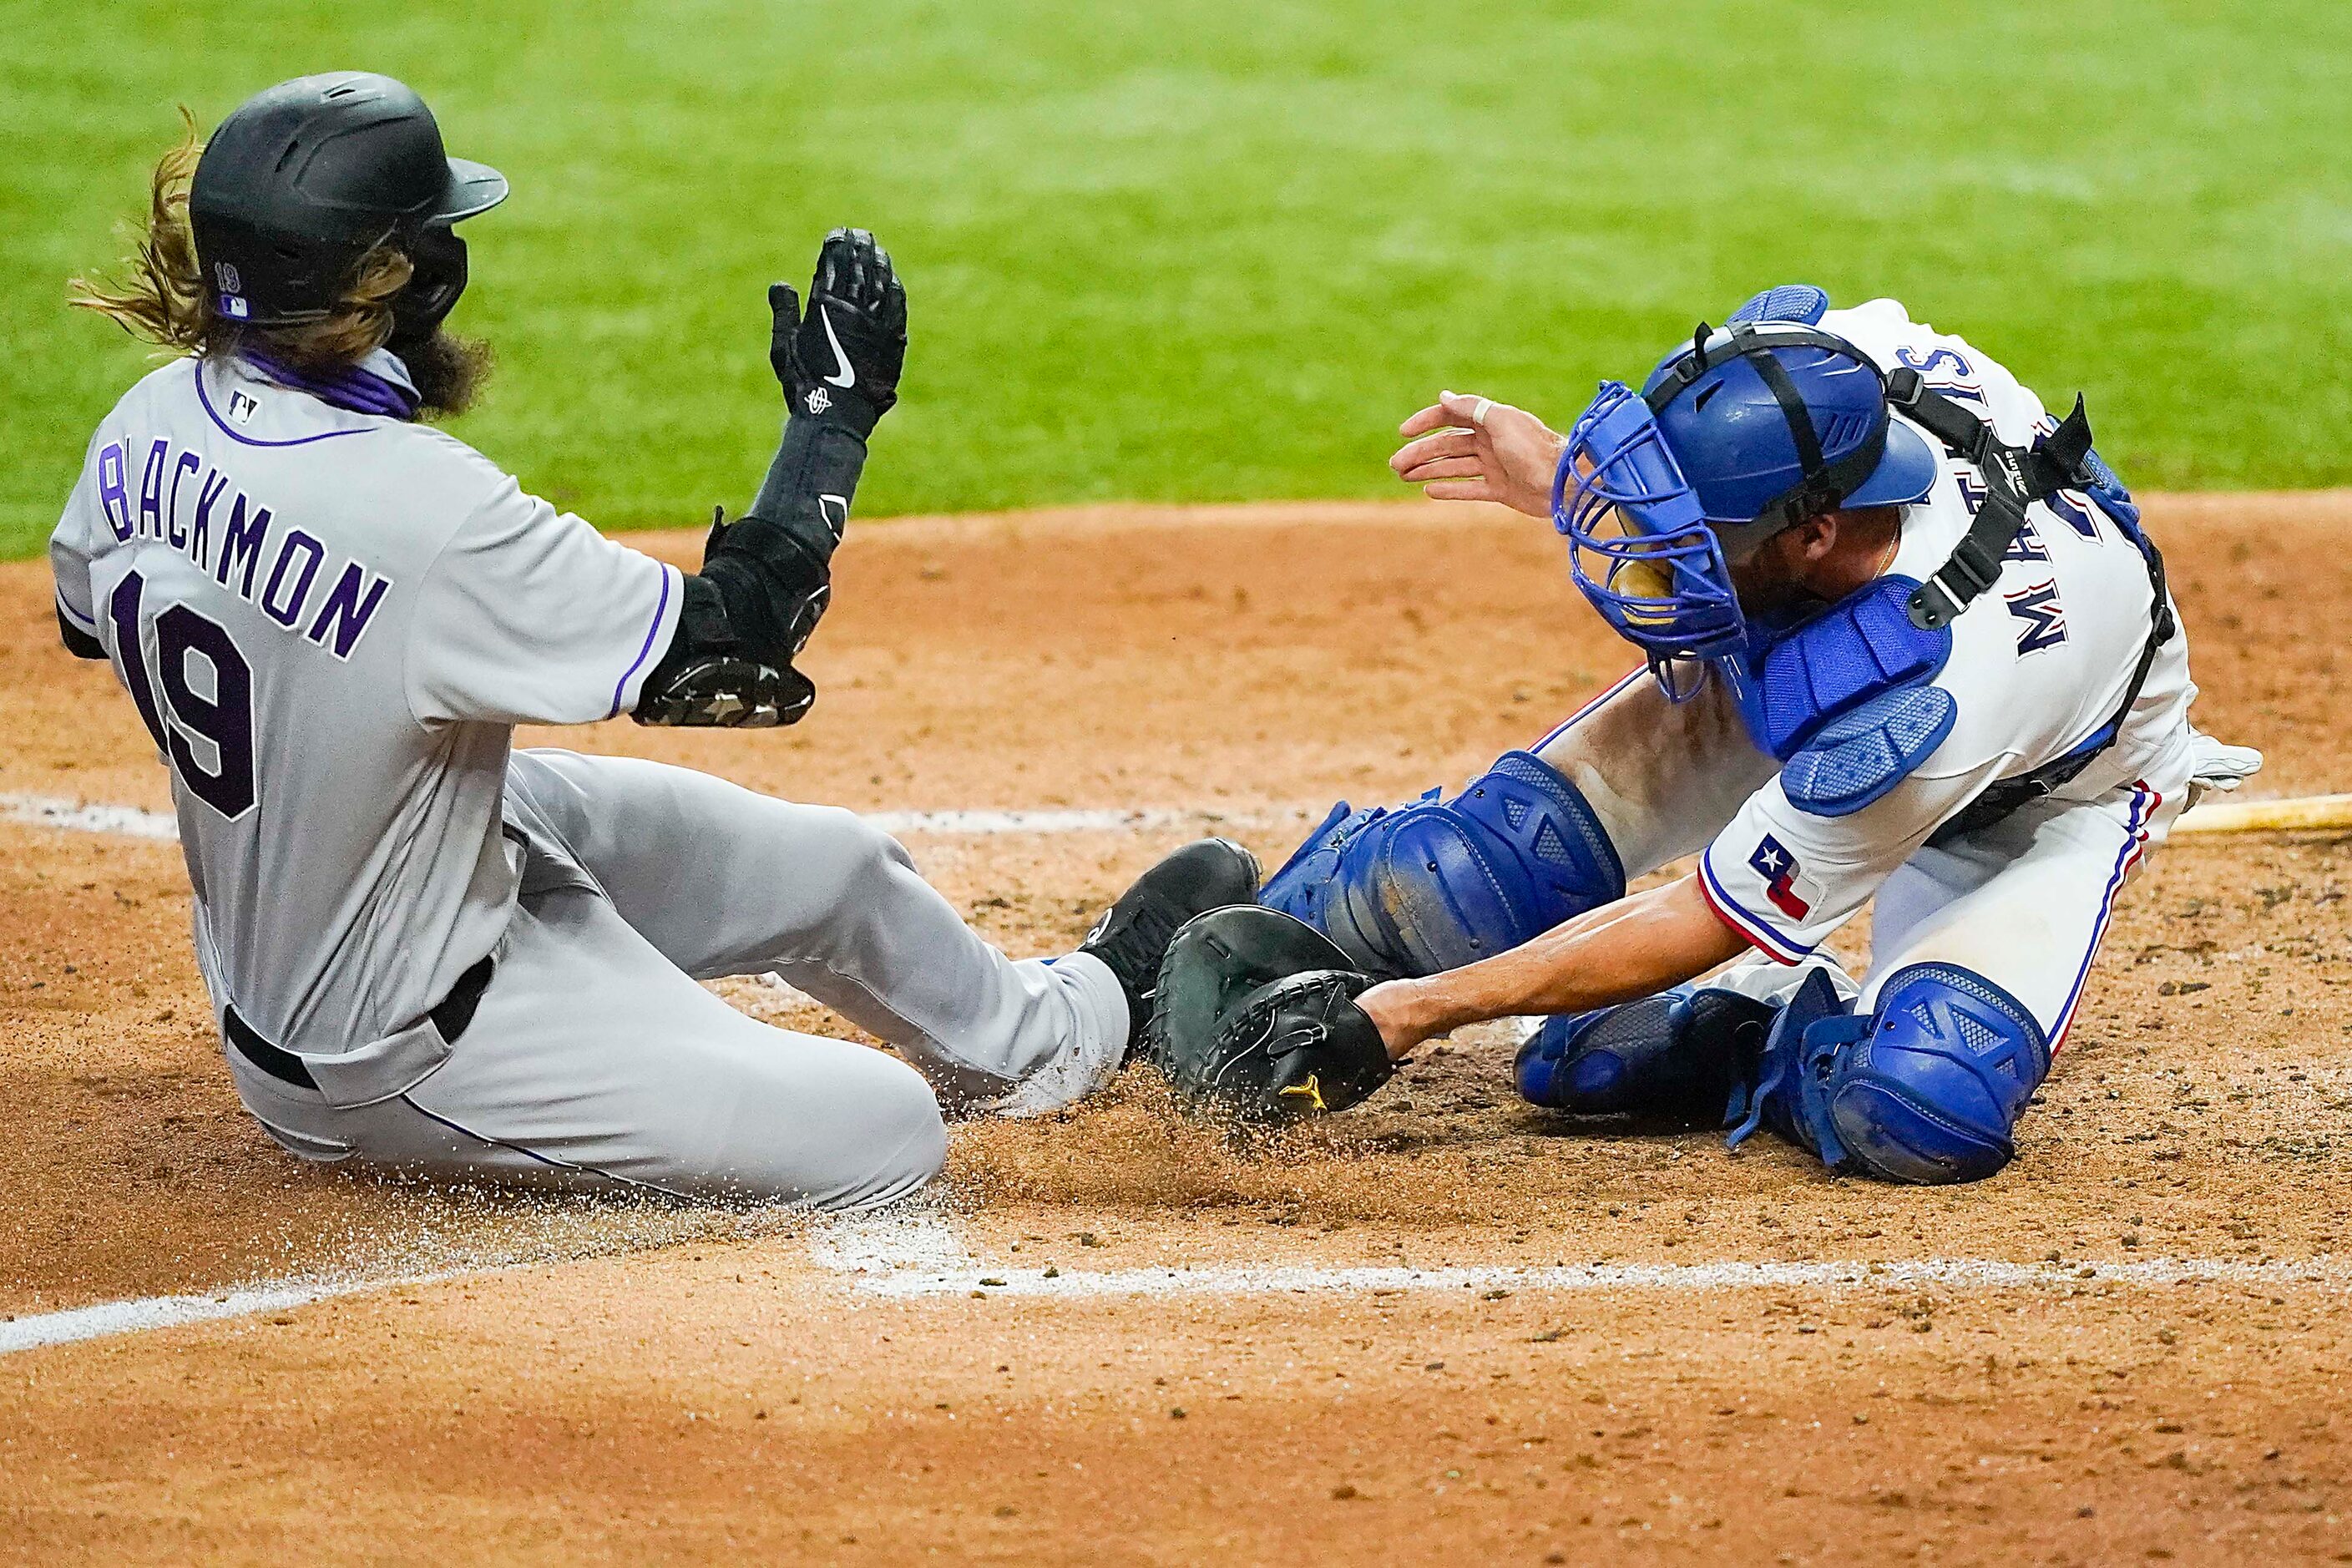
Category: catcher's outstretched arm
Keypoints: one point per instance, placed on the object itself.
(1633, 948)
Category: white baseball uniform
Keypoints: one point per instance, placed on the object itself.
(330, 622)
(2038, 663)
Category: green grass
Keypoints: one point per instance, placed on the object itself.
(1214, 249)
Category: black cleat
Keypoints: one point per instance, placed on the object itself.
(1133, 935)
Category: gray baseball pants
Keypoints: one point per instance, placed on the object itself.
(595, 1060)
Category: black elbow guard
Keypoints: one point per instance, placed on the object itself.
(743, 620)
(773, 584)
(764, 585)
(710, 679)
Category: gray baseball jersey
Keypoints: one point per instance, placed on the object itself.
(329, 621)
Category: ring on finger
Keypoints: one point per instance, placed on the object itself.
(1478, 414)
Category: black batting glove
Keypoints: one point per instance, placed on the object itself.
(842, 362)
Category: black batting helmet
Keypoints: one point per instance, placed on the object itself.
(307, 177)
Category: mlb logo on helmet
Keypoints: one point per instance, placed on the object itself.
(232, 291)
(1773, 862)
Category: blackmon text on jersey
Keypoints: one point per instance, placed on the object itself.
(197, 509)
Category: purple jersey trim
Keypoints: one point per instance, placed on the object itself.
(661, 609)
(2144, 805)
(205, 398)
(76, 617)
(1753, 927)
(352, 388)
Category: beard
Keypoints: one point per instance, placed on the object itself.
(449, 372)
(1769, 593)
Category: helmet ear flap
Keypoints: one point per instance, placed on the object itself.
(438, 259)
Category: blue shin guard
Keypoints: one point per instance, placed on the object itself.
(1678, 1054)
(1925, 1089)
(1441, 883)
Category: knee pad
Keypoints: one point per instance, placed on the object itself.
(1925, 1089)
(1676, 1054)
(1931, 1093)
(1441, 883)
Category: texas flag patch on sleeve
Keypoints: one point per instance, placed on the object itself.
(1777, 867)
(1759, 887)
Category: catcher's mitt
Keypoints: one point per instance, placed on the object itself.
(1257, 1015)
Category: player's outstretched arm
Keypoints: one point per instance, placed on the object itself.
(767, 578)
(1264, 1017)
(1633, 948)
(1466, 447)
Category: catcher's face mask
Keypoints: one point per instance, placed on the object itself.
(1639, 545)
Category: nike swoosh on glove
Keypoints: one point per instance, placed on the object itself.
(846, 354)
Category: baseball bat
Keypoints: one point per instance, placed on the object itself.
(2304, 813)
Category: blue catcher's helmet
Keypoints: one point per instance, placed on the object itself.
(1747, 431)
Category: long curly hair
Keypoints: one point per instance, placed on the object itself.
(159, 293)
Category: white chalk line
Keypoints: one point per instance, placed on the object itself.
(907, 1256)
(134, 822)
(1959, 1273)
(107, 1319)
(74, 817)
(930, 1260)
(855, 1245)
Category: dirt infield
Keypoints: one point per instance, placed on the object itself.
(1112, 1339)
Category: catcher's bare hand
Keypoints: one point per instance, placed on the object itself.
(1466, 447)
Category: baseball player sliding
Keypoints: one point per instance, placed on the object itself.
(430, 950)
(1905, 641)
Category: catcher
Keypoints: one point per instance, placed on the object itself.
(1905, 640)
